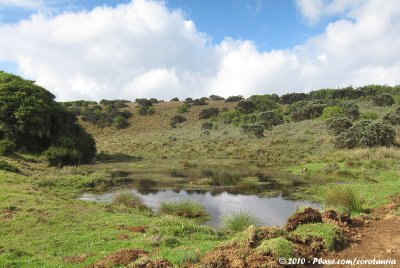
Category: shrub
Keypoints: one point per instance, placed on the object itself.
(271, 118)
(331, 111)
(303, 110)
(208, 113)
(146, 110)
(238, 221)
(186, 209)
(144, 102)
(177, 119)
(383, 100)
(153, 100)
(350, 109)
(291, 98)
(200, 102)
(253, 130)
(229, 117)
(366, 134)
(127, 198)
(392, 119)
(249, 118)
(234, 98)
(7, 147)
(265, 102)
(337, 125)
(59, 156)
(345, 199)
(175, 99)
(216, 98)
(184, 108)
(120, 122)
(246, 106)
(34, 121)
(207, 125)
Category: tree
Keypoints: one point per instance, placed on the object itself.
(33, 120)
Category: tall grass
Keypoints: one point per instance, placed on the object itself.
(238, 221)
(185, 208)
(128, 199)
(345, 199)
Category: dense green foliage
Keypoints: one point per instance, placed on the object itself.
(208, 113)
(303, 110)
(177, 119)
(271, 118)
(216, 98)
(7, 147)
(383, 100)
(366, 134)
(253, 130)
(234, 98)
(246, 106)
(106, 115)
(337, 125)
(30, 118)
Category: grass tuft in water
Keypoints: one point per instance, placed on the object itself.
(185, 208)
(238, 221)
(128, 199)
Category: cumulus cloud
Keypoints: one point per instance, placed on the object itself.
(143, 49)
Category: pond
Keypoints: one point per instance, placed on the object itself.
(271, 211)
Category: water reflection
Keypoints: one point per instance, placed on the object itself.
(270, 210)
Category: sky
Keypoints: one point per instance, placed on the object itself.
(123, 49)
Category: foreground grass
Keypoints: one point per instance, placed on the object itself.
(46, 227)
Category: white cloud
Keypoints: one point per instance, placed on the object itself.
(142, 49)
(28, 4)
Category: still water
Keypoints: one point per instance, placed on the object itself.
(271, 211)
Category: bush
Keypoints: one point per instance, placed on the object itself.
(366, 134)
(303, 110)
(370, 116)
(208, 113)
(207, 125)
(153, 100)
(31, 119)
(175, 99)
(271, 118)
(246, 106)
(337, 125)
(59, 157)
(184, 108)
(146, 110)
(186, 209)
(265, 102)
(345, 199)
(144, 102)
(392, 119)
(234, 98)
(200, 102)
(216, 98)
(331, 111)
(7, 147)
(177, 119)
(291, 98)
(253, 130)
(350, 109)
(238, 221)
(120, 122)
(229, 117)
(383, 100)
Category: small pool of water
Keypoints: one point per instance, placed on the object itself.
(272, 211)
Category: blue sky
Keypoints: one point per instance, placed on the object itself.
(229, 46)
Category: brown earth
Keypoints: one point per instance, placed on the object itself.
(75, 259)
(118, 258)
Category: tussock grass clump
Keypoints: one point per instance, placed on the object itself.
(277, 247)
(185, 208)
(238, 221)
(128, 199)
(345, 199)
(248, 183)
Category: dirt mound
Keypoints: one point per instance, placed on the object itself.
(154, 264)
(75, 259)
(333, 215)
(309, 215)
(121, 257)
(230, 256)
